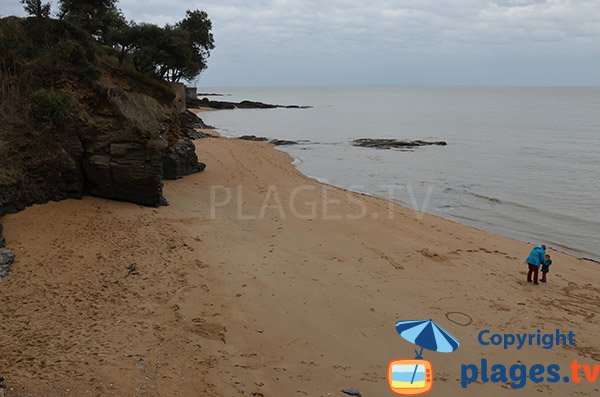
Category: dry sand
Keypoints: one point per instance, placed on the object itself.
(113, 299)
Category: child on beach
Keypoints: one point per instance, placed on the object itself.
(535, 260)
(546, 267)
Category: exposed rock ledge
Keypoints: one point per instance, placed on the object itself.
(205, 102)
(276, 142)
(121, 146)
(191, 123)
(394, 143)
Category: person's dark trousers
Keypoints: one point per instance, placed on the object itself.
(543, 280)
(533, 270)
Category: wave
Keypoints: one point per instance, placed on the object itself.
(487, 198)
(557, 216)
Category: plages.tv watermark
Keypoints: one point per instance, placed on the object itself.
(313, 201)
(519, 374)
(411, 377)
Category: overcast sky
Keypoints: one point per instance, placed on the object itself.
(390, 42)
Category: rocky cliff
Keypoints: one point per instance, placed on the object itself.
(75, 122)
(120, 145)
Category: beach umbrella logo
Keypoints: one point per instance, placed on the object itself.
(415, 377)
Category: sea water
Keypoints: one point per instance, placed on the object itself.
(520, 161)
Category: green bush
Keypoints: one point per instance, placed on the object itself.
(72, 54)
(52, 105)
(160, 88)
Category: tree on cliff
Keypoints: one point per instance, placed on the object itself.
(199, 26)
(124, 39)
(182, 60)
(98, 17)
(36, 8)
(173, 52)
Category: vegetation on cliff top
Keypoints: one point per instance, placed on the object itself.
(173, 52)
(42, 57)
(38, 55)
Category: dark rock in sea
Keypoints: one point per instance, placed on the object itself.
(210, 94)
(7, 258)
(276, 142)
(351, 392)
(394, 143)
(254, 105)
(282, 142)
(253, 138)
(205, 102)
(181, 160)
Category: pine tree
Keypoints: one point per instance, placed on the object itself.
(36, 8)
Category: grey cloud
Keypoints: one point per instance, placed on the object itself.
(297, 41)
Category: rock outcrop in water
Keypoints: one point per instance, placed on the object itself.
(205, 102)
(394, 143)
(276, 142)
(282, 142)
(253, 138)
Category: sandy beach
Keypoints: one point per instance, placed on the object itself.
(259, 281)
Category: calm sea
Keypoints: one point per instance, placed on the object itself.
(522, 162)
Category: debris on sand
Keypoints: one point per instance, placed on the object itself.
(351, 392)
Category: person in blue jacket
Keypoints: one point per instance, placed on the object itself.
(536, 258)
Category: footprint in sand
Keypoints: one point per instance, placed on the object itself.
(499, 307)
(427, 253)
(386, 258)
(208, 330)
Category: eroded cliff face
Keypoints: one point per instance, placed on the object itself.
(119, 146)
(125, 136)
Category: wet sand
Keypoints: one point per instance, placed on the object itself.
(263, 297)
(200, 110)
